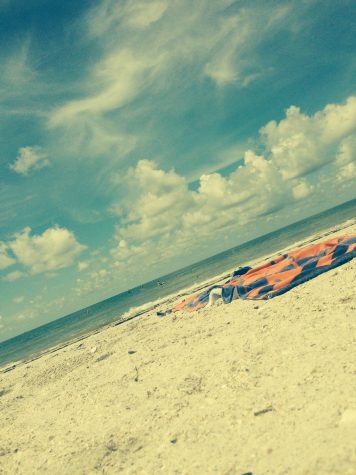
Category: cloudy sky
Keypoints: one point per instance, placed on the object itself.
(140, 135)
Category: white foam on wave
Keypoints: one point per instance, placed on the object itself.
(166, 302)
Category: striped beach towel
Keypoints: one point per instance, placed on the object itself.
(280, 274)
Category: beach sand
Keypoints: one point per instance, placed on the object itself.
(266, 387)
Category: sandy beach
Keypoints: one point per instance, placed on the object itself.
(261, 387)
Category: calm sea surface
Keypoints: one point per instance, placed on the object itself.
(102, 313)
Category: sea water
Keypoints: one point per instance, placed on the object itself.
(111, 310)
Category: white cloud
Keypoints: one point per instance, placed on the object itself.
(54, 249)
(346, 173)
(347, 150)
(125, 254)
(114, 82)
(232, 52)
(251, 190)
(300, 144)
(82, 265)
(222, 67)
(160, 212)
(141, 14)
(23, 316)
(39, 310)
(161, 220)
(346, 160)
(5, 259)
(17, 71)
(301, 189)
(337, 120)
(157, 208)
(145, 47)
(117, 78)
(28, 159)
(12, 276)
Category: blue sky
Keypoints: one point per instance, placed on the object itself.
(138, 136)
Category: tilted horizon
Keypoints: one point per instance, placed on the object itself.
(139, 137)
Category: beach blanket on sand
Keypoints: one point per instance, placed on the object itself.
(280, 274)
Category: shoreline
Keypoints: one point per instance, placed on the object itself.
(253, 386)
(172, 299)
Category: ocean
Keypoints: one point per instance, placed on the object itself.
(32, 343)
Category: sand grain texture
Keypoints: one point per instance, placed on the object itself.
(262, 387)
